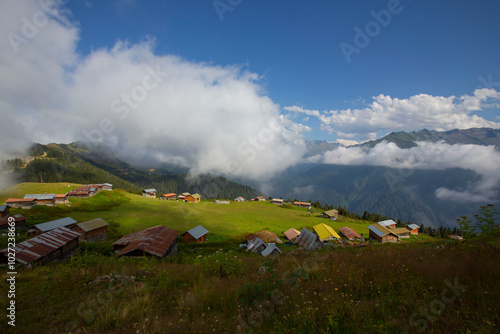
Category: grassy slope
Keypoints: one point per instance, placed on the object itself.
(21, 189)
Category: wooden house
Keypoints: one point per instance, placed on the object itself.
(183, 196)
(196, 234)
(382, 234)
(151, 193)
(239, 199)
(291, 234)
(302, 205)
(349, 233)
(42, 199)
(325, 232)
(106, 186)
(194, 198)
(413, 228)
(67, 222)
(92, 230)
(388, 223)
(168, 197)
(401, 232)
(260, 199)
(330, 214)
(19, 221)
(158, 241)
(53, 245)
(21, 203)
(4, 210)
(277, 201)
(61, 199)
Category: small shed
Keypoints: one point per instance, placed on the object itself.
(308, 240)
(19, 221)
(196, 234)
(21, 203)
(330, 214)
(270, 249)
(291, 234)
(382, 234)
(325, 232)
(302, 204)
(388, 223)
(61, 199)
(194, 198)
(413, 228)
(151, 193)
(67, 222)
(168, 197)
(349, 233)
(53, 245)
(158, 241)
(92, 230)
(4, 210)
(277, 201)
(255, 244)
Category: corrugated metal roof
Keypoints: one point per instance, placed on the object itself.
(325, 232)
(268, 236)
(152, 190)
(154, 240)
(291, 234)
(197, 232)
(63, 222)
(61, 195)
(349, 233)
(169, 195)
(255, 245)
(387, 222)
(107, 184)
(400, 230)
(379, 229)
(301, 203)
(185, 194)
(92, 224)
(331, 213)
(197, 196)
(40, 196)
(413, 226)
(31, 250)
(270, 248)
(14, 200)
(308, 240)
(2, 208)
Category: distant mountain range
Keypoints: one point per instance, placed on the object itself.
(477, 136)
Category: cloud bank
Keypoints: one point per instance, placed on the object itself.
(423, 111)
(484, 160)
(209, 118)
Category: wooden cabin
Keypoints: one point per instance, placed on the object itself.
(37, 229)
(413, 228)
(158, 241)
(196, 234)
(401, 232)
(61, 199)
(302, 204)
(151, 193)
(92, 230)
(42, 199)
(388, 223)
(169, 197)
(277, 201)
(330, 214)
(382, 234)
(195, 198)
(21, 203)
(349, 233)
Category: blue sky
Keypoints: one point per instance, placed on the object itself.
(439, 48)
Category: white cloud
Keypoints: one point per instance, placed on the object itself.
(421, 111)
(302, 110)
(210, 118)
(484, 160)
(347, 142)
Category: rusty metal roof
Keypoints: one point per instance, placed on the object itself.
(349, 233)
(61, 195)
(154, 240)
(11, 200)
(308, 240)
(31, 250)
(169, 195)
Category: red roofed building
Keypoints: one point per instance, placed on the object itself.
(21, 203)
(349, 233)
(158, 241)
(302, 204)
(61, 199)
(168, 197)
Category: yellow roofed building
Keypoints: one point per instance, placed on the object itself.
(325, 232)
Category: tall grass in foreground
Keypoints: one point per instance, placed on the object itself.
(378, 289)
